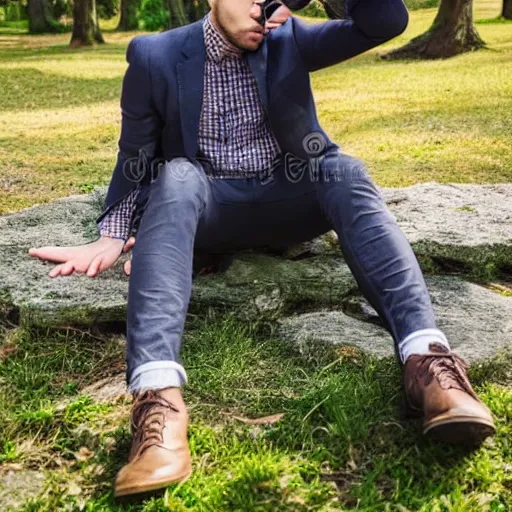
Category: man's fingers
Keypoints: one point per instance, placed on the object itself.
(280, 15)
(67, 268)
(127, 267)
(55, 271)
(64, 269)
(95, 265)
(270, 26)
(129, 244)
(57, 254)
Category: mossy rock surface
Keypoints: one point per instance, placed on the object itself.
(476, 321)
(466, 226)
(455, 225)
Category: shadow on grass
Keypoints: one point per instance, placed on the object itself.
(343, 425)
(444, 120)
(343, 442)
(31, 89)
(284, 468)
(55, 50)
(500, 20)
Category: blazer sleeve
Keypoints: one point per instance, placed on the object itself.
(372, 23)
(141, 125)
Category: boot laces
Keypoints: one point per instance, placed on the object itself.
(449, 370)
(148, 420)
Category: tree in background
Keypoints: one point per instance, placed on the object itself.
(106, 9)
(129, 15)
(452, 33)
(40, 18)
(13, 10)
(196, 9)
(86, 30)
(507, 9)
(153, 15)
(165, 14)
(178, 13)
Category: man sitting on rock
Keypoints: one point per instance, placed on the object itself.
(226, 104)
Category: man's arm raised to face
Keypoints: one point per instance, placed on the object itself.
(279, 16)
(372, 23)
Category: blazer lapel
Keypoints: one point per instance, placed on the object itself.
(258, 63)
(190, 85)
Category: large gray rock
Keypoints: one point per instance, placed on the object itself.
(476, 321)
(464, 222)
(255, 284)
(25, 288)
(467, 224)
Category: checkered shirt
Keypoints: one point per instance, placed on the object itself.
(234, 133)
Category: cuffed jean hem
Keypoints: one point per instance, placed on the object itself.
(418, 342)
(157, 375)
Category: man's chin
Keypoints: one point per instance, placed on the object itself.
(252, 48)
(252, 42)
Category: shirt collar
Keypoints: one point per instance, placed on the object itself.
(217, 46)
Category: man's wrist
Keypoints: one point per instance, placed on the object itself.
(111, 239)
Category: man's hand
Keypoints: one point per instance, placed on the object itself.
(278, 18)
(127, 267)
(90, 259)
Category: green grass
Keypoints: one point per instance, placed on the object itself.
(343, 443)
(415, 5)
(16, 25)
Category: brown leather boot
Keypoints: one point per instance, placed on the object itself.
(437, 388)
(159, 455)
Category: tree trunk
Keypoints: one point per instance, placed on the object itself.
(196, 10)
(507, 9)
(86, 30)
(178, 13)
(128, 19)
(452, 33)
(39, 18)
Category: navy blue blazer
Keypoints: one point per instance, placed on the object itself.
(163, 86)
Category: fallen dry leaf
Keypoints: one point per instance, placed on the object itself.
(74, 489)
(6, 351)
(266, 420)
(84, 454)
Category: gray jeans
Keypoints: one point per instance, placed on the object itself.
(188, 210)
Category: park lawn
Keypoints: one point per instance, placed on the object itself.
(343, 443)
(449, 121)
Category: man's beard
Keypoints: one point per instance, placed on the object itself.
(226, 32)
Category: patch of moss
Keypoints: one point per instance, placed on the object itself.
(475, 263)
(8, 312)
(257, 284)
(35, 315)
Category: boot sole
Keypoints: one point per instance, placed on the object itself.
(462, 430)
(153, 486)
